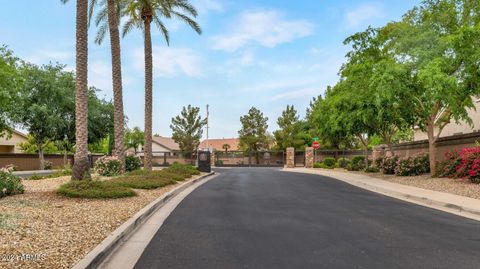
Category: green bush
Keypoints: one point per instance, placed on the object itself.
(93, 189)
(108, 166)
(143, 182)
(357, 163)
(422, 164)
(447, 167)
(10, 184)
(317, 165)
(329, 162)
(372, 169)
(343, 162)
(182, 169)
(358, 159)
(406, 167)
(389, 165)
(132, 163)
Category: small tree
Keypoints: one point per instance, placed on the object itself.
(10, 82)
(292, 131)
(226, 147)
(187, 129)
(253, 135)
(134, 138)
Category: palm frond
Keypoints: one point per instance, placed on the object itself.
(187, 7)
(163, 29)
(195, 26)
(129, 25)
(102, 31)
(102, 16)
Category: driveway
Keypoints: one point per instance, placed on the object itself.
(266, 218)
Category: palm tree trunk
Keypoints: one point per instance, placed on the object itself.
(118, 116)
(81, 165)
(147, 163)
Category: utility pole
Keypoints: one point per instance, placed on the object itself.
(208, 147)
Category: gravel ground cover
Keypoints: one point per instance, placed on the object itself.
(454, 186)
(39, 229)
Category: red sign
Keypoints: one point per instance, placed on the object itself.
(316, 145)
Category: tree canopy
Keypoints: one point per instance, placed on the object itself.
(253, 135)
(187, 129)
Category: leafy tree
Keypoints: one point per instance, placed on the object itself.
(438, 43)
(43, 105)
(10, 81)
(253, 135)
(187, 129)
(141, 14)
(31, 146)
(107, 20)
(134, 138)
(291, 132)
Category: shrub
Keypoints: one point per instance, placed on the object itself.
(343, 162)
(182, 169)
(317, 165)
(132, 163)
(379, 162)
(389, 165)
(422, 164)
(358, 159)
(372, 169)
(10, 184)
(47, 165)
(108, 166)
(93, 189)
(406, 167)
(447, 167)
(469, 166)
(329, 162)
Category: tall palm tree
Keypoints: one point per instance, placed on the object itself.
(107, 21)
(81, 165)
(141, 13)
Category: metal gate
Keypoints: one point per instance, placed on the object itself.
(248, 159)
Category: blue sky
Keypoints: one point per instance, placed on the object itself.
(266, 54)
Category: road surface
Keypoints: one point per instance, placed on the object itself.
(266, 218)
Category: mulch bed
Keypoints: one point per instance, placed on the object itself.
(39, 229)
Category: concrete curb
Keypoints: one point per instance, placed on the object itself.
(450, 207)
(95, 257)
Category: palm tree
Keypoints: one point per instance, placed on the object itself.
(107, 21)
(81, 165)
(226, 147)
(141, 14)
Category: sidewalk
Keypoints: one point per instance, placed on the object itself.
(455, 204)
(25, 174)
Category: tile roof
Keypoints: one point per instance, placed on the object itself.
(218, 143)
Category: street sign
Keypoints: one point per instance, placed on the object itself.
(316, 139)
(316, 145)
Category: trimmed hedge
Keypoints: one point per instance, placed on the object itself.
(94, 189)
(329, 162)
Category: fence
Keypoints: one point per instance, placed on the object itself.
(26, 162)
(244, 158)
(446, 144)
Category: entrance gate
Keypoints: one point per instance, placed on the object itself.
(247, 159)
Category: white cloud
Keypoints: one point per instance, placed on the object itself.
(267, 28)
(302, 93)
(46, 56)
(170, 62)
(362, 14)
(100, 75)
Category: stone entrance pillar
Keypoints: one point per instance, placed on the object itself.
(290, 162)
(308, 157)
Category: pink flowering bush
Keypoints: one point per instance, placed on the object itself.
(469, 166)
(10, 184)
(108, 166)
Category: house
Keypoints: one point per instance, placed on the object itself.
(10, 144)
(217, 144)
(456, 128)
(161, 146)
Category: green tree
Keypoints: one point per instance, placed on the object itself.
(438, 43)
(253, 135)
(42, 103)
(10, 83)
(107, 21)
(134, 138)
(291, 133)
(31, 146)
(141, 14)
(187, 129)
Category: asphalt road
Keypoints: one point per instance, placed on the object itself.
(265, 218)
